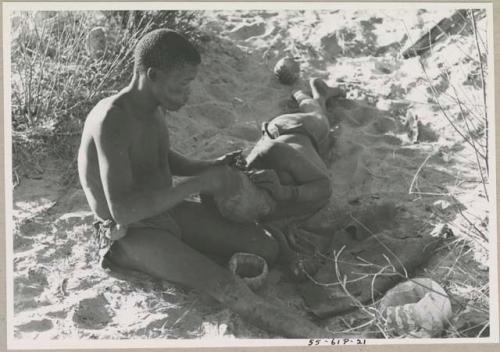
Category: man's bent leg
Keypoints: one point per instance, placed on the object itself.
(163, 255)
(166, 257)
(204, 229)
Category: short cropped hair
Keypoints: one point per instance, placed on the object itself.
(164, 49)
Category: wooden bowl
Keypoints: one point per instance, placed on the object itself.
(249, 267)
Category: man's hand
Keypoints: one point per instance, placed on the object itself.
(182, 166)
(269, 180)
(233, 159)
(220, 179)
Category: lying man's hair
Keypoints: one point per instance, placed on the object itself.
(164, 49)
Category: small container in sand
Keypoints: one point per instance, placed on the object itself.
(250, 267)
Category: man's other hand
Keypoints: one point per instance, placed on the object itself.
(220, 179)
(230, 159)
(269, 180)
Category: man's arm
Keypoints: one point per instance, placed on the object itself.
(182, 166)
(296, 200)
(126, 203)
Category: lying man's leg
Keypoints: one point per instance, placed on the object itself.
(293, 128)
(320, 93)
(166, 257)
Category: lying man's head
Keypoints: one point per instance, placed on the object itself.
(168, 62)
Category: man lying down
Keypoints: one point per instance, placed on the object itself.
(146, 224)
(287, 164)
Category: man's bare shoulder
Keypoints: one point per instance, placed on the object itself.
(108, 114)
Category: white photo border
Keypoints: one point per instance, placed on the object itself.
(8, 8)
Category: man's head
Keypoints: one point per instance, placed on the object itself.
(168, 62)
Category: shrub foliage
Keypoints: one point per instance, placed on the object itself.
(56, 77)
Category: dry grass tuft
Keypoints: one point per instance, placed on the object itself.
(57, 77)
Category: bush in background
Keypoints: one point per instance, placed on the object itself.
(62, 64)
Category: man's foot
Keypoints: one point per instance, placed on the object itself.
(301, 97)
(319, 89)
(321, 92)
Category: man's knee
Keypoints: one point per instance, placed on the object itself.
(268, 249)
(119, 256)
(257, 157)
(124, 251)
(274, 151)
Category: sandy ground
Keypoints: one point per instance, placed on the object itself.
(392, 138)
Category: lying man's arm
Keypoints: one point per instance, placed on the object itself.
(310, 191)
(295, 200)
(302, 186)
(311, 183)
(126, 203)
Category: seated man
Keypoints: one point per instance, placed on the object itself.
(290, 155)
(144, 223)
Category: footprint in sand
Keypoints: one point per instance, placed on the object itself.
(58, 314)
(38, 276)
(36, 325)
(46, 253)
(92, 313)
(33, 227)
(246, 31)
(330, 45)
(22, 243)
(27, 289)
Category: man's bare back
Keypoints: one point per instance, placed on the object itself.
(126, 167)
(148, 143)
